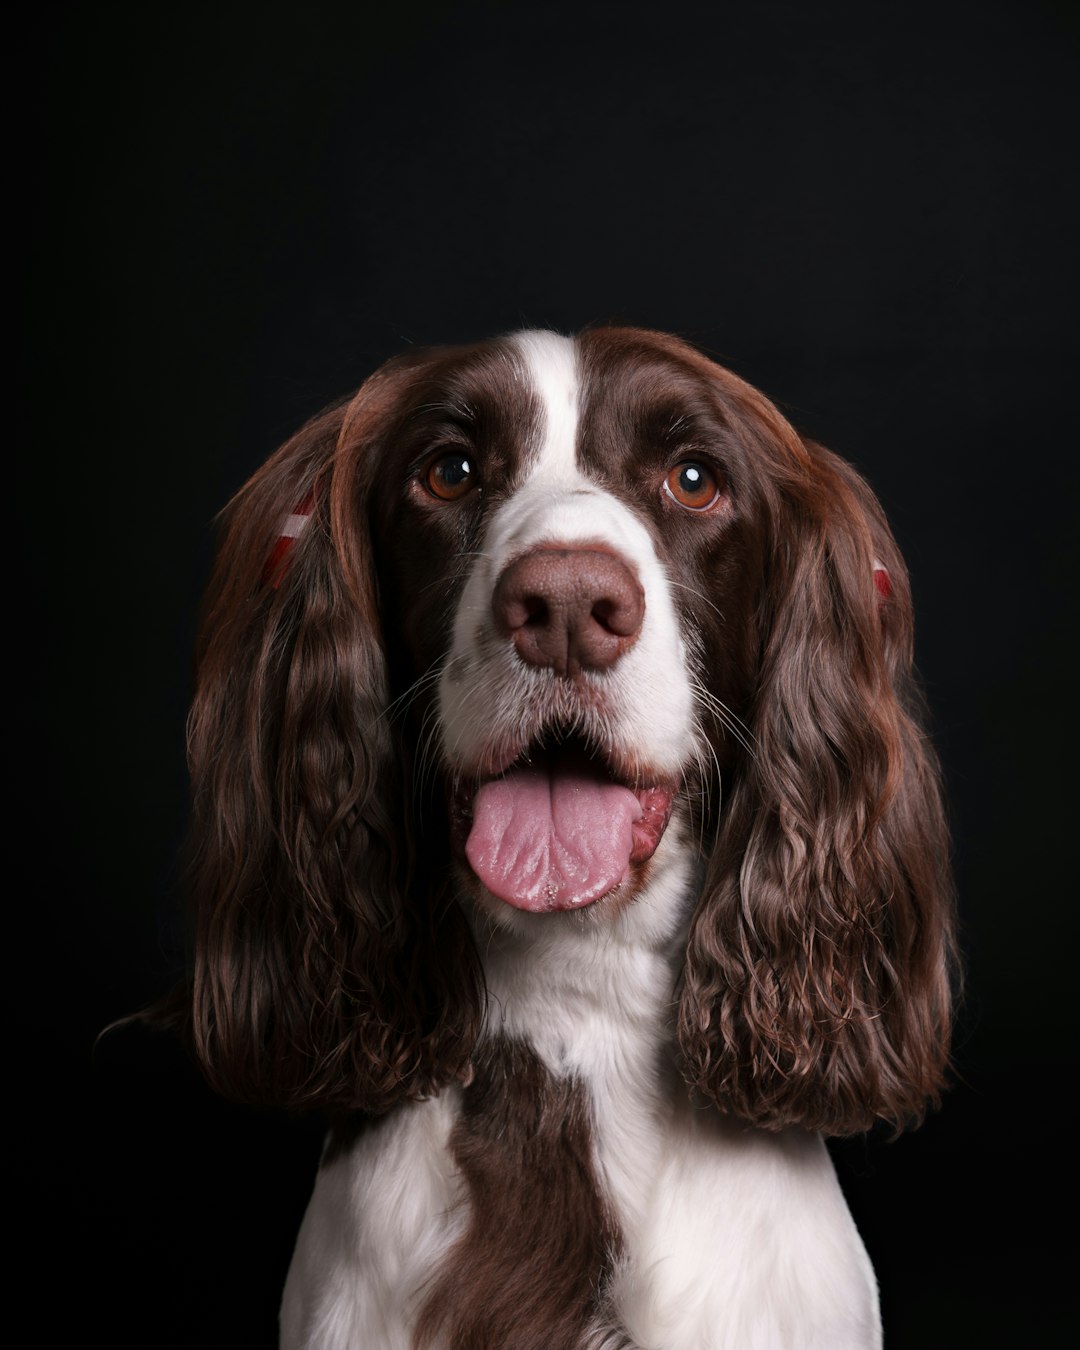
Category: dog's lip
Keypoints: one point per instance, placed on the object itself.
(639, 778)
(552, 741)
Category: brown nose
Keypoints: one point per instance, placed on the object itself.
(569, 609)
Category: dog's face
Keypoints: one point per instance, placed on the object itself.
(551, 595)
(573, 532)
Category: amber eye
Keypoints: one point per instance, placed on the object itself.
(449, 476)
(693, 485)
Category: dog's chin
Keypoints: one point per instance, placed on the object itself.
(558, 829)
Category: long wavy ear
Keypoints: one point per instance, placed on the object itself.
(817, 984)
(329, 970)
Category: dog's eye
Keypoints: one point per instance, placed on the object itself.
(693, 485)
(449, 476)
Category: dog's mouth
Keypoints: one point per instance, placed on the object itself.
(560, 827)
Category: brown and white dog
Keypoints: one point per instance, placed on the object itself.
(564, 827)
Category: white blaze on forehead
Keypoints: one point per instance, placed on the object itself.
(551, 369)
(556, 502)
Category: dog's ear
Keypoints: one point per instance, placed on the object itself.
(327, 972)
(817, 984)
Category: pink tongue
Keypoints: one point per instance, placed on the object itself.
(546, 838)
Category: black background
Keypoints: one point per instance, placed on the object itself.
(234, 216)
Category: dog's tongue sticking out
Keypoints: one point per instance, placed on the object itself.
(552, 835)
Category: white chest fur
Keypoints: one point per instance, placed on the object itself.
(732, 1239)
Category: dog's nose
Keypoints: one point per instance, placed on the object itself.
(569, 608)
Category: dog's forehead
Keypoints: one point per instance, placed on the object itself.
(604, 389)
(545, 408)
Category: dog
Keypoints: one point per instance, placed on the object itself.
(565, 829)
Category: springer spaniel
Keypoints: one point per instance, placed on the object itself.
(565, 829)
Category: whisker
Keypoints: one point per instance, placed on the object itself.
(407, 696)
(682, 585)
(725, 716)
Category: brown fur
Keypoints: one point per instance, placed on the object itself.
(527, 1275)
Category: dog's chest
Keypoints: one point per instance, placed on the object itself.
(713, 1237)
(727, 1237)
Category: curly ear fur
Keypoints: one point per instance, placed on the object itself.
(316, 979)
(817, 985)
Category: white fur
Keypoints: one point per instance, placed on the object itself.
(381, 1217)
(733, 1239)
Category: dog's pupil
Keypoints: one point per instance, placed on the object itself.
(692, 480)
(454, 469)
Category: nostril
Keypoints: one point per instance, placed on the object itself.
(620, 615)
(514, 610)
(603, 612)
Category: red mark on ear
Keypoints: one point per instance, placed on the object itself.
(882, 580)
(293, 525)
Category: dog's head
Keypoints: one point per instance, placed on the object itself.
(517, 626)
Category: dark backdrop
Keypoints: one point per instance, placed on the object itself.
(234, 217)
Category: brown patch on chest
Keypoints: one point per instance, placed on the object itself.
(528, 1273)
